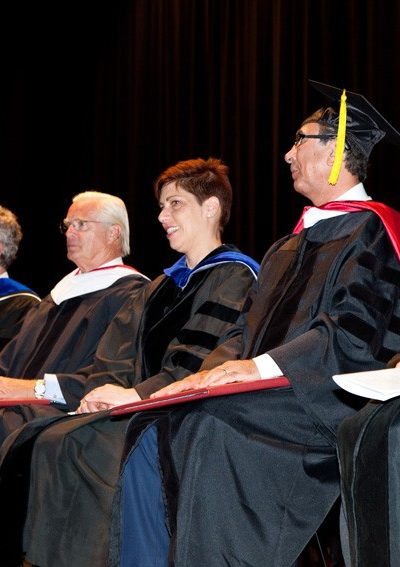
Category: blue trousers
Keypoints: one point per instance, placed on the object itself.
(145, 538)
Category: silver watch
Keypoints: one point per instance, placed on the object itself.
(39, 389)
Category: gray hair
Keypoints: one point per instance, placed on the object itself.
(10, 237)
(110, 209)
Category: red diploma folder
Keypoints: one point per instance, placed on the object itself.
(22, 402)
(210, 392)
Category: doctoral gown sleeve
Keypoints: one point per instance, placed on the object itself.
(13, 311)
(214, 316)
(114, 361)
(75, 379)
(351, 324)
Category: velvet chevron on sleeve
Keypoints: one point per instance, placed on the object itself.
(258, 472)
(177, 327)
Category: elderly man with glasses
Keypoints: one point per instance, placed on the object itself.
(50, 358)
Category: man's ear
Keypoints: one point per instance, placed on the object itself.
(331, 154)
(114, 232)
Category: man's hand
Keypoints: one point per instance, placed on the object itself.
(16, 389)
(107, 397)
(231, 371)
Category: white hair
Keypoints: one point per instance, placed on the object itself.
(111, 209)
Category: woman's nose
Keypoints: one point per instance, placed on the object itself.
(163, 216)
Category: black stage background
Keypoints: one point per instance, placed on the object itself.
(107, 94)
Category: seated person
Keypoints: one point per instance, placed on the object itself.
(159, 337)
(248, 479)
(15, 298)
(51, 355)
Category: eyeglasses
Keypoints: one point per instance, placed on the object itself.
(300, 137)
(77, 224)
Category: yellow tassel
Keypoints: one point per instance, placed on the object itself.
(340, 141)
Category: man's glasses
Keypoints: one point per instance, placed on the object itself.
(300, 137)
(77, 224)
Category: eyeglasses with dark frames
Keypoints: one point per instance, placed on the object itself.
(80, 225)
(300, 137)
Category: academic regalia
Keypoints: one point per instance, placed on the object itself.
(61, 338)
(15, 301)
(368, 449)
(182, 321)
(253, 475)
(257, 472)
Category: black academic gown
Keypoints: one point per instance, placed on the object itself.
(68, 519)
(256, 473)
(368, 449)
(13, 309)
(61, 339)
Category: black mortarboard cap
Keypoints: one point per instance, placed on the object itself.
(365, 126)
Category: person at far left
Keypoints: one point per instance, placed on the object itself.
(15, 298)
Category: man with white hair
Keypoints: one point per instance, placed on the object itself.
(50, 358)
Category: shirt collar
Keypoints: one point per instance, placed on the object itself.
(314, 214)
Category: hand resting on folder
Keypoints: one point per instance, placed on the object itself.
(233, 373)
(200, 393)
(111, 395)
(226, 373)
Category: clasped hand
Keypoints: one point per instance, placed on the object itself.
(107, 397)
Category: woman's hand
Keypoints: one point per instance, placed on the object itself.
(107, 397)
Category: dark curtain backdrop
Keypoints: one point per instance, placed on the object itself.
(107, 94)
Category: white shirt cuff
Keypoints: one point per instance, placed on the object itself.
(267, 367)
(53, 390)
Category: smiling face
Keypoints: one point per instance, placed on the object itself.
(192, 228)
(310, 165)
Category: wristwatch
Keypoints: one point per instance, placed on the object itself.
(39, 389)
